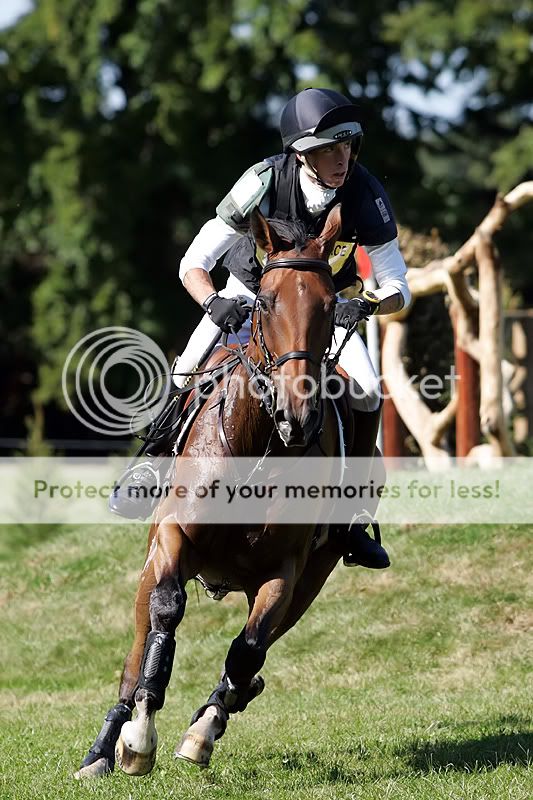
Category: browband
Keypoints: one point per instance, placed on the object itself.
(307, 264)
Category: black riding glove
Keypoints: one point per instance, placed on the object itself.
(349, 314)
(228, 313)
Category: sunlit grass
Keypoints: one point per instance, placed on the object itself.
(411, 683)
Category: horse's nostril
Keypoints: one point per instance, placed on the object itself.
(281, 415)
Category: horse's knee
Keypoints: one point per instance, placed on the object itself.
(167, 604)
(245, 658)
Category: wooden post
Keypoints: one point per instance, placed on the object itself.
(393, 427)
(492, 418)
(467, 429)
(519, 324)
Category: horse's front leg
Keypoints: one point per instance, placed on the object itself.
(240, 681)
(100, 759)
(174, 562)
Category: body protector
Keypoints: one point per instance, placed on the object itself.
(367, 216)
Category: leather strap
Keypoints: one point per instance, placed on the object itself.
(220, 425)
(306, 264)
(299, 355)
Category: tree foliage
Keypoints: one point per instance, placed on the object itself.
(125, 121)
(485, 46)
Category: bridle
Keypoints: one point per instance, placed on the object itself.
(261, 373)
(307, 265)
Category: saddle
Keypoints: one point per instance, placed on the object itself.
(193, 400)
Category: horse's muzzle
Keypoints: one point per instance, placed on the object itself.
(296, 430)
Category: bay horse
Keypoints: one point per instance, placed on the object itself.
(276, 566)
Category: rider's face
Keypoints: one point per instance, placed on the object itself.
(331, 163)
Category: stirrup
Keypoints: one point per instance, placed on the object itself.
(138, 491)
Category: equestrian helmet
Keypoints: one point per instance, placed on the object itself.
(319, 117)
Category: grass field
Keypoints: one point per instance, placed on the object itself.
(412, 683)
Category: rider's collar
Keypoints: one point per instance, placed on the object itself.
(317, 195)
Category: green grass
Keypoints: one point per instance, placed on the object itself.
(411, 683)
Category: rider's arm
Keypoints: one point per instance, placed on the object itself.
(212, 241)
(378, 234)
(218, 234)
(199, 284)
(389, 270)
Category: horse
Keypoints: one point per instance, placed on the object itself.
(278, 567)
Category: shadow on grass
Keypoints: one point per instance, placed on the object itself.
(487, 752)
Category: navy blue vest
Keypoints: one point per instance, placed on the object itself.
(367, 218)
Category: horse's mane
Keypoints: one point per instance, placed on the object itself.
(293, 231)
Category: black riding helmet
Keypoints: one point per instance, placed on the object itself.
(317, 118)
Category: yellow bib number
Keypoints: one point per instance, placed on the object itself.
(340, 254)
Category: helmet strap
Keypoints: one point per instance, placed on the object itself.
(313, 174)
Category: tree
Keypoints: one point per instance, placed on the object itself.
(485, 46)
(128, 120)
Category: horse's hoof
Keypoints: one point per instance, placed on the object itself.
(95, 770)
(195, 749)
(131, 762)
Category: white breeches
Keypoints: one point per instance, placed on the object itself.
(365, 388)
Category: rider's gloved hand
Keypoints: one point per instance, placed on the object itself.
(349, 314)
(229, 313)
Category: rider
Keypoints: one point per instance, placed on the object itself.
(321, 134)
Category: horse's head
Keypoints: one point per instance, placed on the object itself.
(293, 319)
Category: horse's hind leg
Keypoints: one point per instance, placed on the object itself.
(318, 568)
(173, 564)
(240, 682)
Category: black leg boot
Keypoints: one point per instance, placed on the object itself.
(357, 547)
(140, 488)
(363, 550)
(352, 540)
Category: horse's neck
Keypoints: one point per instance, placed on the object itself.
(251, 426)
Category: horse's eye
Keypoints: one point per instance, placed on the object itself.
(262, 303)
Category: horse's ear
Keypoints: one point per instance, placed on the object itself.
(265, 236)
(331, 228)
